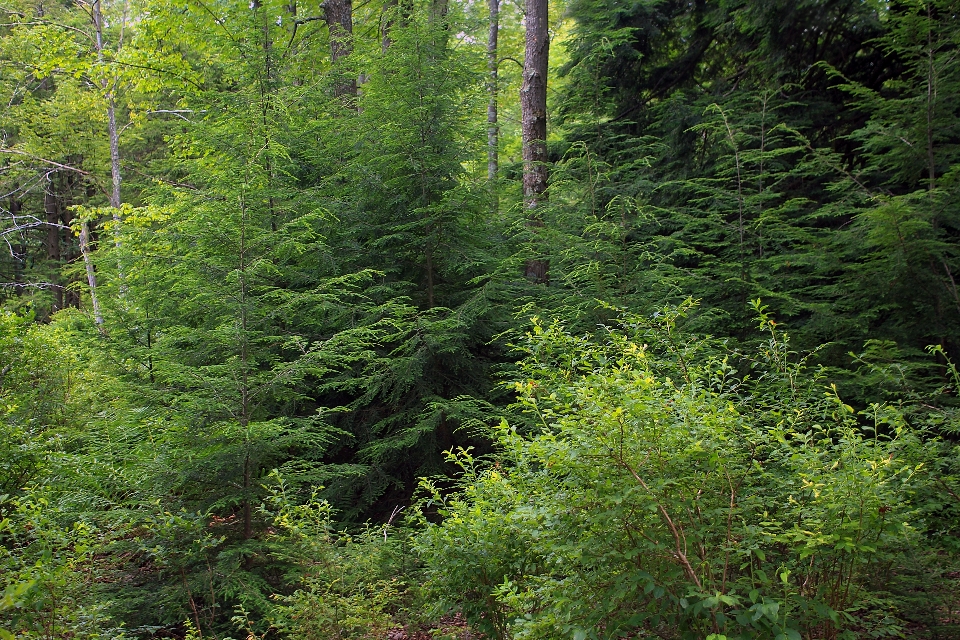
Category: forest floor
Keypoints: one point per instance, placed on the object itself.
(453, 627)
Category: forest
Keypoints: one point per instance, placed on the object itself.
(449, 319)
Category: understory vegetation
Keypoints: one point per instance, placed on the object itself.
(303, 336)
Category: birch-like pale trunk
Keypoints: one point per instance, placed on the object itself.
(115, 175)
(91, 274)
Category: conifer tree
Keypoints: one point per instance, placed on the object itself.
(902, 246)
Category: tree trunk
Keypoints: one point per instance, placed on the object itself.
(114, 157)
(533, 108)
(51, 210)
(20, 250)
(438, 11)
(493, 129)
(246, 504)
(338, 15)
(71, 297)
(114, 135)
(91, 274)
(387, 22)
(111, 116)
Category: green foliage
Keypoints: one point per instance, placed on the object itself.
(349, 586)
(677, 489)
(50, 575)
(310, 284)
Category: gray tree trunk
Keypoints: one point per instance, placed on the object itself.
(338, 15)
(493, 128)
(533, 122)
(111, 115)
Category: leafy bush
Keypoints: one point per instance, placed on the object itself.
(349, 585)
(672, 488)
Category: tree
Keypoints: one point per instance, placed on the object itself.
(533, 105)
(493, 62)
(652, 491)
(339, 17)
(901, 250)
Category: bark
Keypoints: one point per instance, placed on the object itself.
(931, 102)
(91, 275)
(115, 175)
(338, 15)
(51, 210)
(20, 251)
(533, 108)
(533, 104)
(71, 297)
(246, 506)
(88, 266)
(114, 157)
(438, 11)
(111, 116)
(493, 128)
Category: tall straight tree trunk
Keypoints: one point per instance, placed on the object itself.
(71, 297)
(395, 12)
(51, 210)
(20, 250)
(114, 135)
(111, 115)
(493, 129)
(533, 109)
(438, 11)
(338, 14)
(91, 274)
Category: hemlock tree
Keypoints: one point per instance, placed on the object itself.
(901, 251)
(407, 207)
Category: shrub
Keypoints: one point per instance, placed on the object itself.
(675, 489)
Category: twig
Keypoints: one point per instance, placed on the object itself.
(678, 552)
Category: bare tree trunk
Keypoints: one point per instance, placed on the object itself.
(91, 274)
(71, 297)
(114, 157)
(114, 135)
(111, 116)
(533, 108)
(51, 210)
(493, 128)
(20, 250)
(338, 15)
